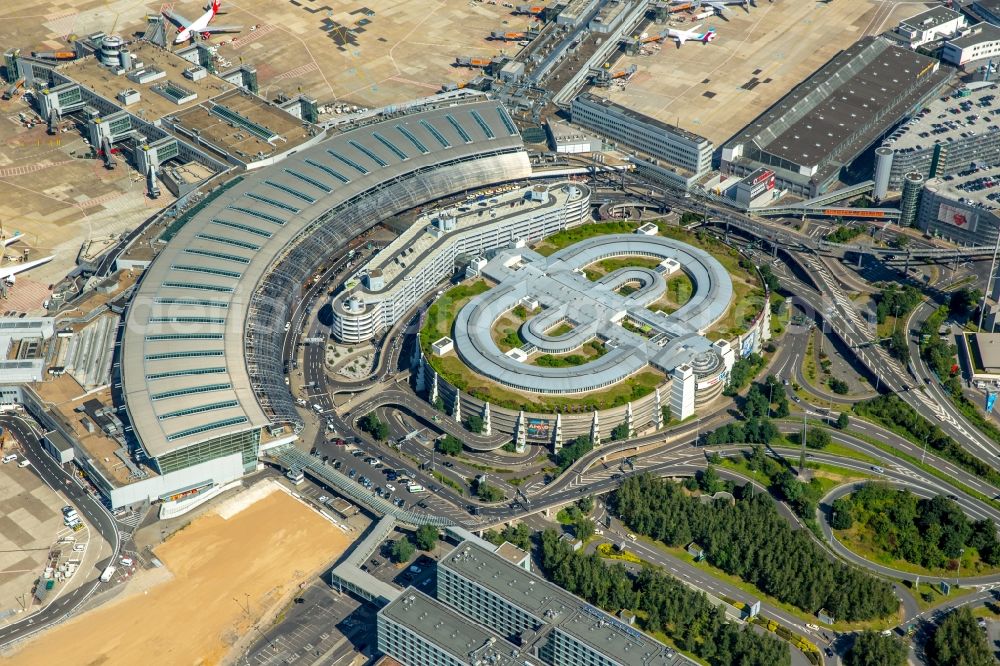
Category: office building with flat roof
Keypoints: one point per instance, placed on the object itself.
(980, 42)
(417, 630)
(667, 152)
(929, 25)
(544, 620)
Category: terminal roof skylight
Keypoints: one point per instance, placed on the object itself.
(391, 146)
(375, 158)
(325, 169)
(259, 215)
(311, 181)
(271, 202)
(483, 126)
(417, 143)
(242, 227)
(437, 135)
(228, 241)
(349, 162)
(458, 128)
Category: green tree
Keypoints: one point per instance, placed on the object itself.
(583, 527)
(619, 432)
(897, 347)
(873, 649)
(667, 414)
(958, 641)
(572, 451)
(426, 537)
(964, 301)
(374, 426)
(709, 481)
(449, 445)
(842, 518)
(401, 550)
(586, 504)
(817, 438)
(843, 420)
(476, 423)
(838, 386)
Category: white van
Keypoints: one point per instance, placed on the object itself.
(415, 488)
(24, 463)
(10, 457)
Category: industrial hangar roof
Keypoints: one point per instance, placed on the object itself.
(184, 371)
(837, 111)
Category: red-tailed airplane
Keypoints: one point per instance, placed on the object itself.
(200, 26)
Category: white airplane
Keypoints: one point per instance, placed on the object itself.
(7, 273)
(721, 6)
(681, 36)
(200, 26)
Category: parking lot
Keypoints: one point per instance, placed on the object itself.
(31, 524)
(324, 627)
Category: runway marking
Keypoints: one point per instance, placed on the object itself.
(251, 37)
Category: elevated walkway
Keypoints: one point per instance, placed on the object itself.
(291, 458)
(798, 210)
(836, 195)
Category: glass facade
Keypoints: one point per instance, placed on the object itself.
(245, 442)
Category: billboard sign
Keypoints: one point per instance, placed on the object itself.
(957, 217)
(538, 429)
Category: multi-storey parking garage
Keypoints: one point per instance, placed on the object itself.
(635, 336)
(416, 262)
(201, 364)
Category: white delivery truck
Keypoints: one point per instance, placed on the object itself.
(108, 573)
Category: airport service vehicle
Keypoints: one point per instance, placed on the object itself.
(415, 488)
(107, 574)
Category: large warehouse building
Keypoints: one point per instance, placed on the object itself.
(823, 124)
(200, 364)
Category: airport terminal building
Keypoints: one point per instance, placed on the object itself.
(663, 151)
(200, 368)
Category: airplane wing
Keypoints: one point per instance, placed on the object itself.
(9, 272)
(222, 28)
(179, 21)
(680, 39)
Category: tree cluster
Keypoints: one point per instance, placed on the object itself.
(896, 301)
(928, 532)
(743, 372)
(426, 537)
(401, 550)
(958, 641)
(756, 407)
(683, 614)
(449, 445)
(619, 432)
(838, 386)
(374, 426)
(871, 648)
(770, 279)
(573, 451)
(750, 540)
(843, 234)
(486, 492)
(964, 301)
(519, 535)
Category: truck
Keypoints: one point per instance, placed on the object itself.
(108, 573)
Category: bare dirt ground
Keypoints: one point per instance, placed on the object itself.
(778, 44)
(258, 556)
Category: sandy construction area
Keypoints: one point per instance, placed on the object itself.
(264, 551)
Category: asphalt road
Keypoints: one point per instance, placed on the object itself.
(87, 505)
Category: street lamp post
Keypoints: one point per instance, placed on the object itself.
(802, 455)
(959, 573)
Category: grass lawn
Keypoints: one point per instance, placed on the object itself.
(561, 328)
(599, 269)
(588, 352)
(441, 314)
(567, 237)
(861, 540)
(936, 598)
